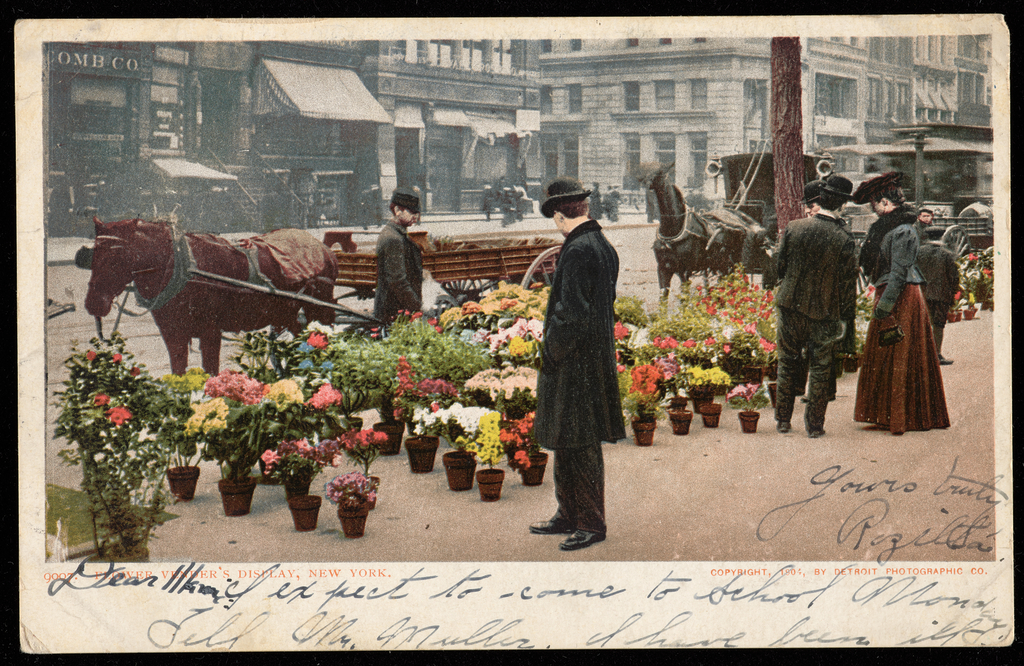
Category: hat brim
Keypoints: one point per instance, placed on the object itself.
(547, 208)
(845, 195)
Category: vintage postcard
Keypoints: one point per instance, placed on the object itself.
(218, 220)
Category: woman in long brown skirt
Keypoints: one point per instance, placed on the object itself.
(900, 386)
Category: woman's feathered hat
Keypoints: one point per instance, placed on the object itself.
(886, 186)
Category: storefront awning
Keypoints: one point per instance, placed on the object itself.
(906, 147)
(409, 116)
(319, 91)
(451, 118)
(485, 126)
(179, 168)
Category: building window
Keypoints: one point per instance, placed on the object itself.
(549, 148)
(874, 98)
(665, 41)
(631, 95)
(631, 155)
(571, 154)
(875, 48)
(545, 100)
(665, 95)
(561, 156)
(575, 44)
(545, 46)
(755, 102)
(903, 114)
(968, 47)
(167, 99)
(698, 158)
(890, 100)
(632, 42)
(664, 147)
(575, 97)
(835, 96)
(698, 94)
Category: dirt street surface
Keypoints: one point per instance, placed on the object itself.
(855, 495)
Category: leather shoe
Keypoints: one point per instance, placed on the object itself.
(945, 361)
(552, 527)
(815, 434)
(581, 539)
(783, 426)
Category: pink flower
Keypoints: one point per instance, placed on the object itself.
(620, 368)
(621, 332)
(972, 256)
(325, 396)
(434, 407)
(235, 386)
(101, 399)
(690, 343)
(317, 340)
(726, 348)
(118, 415)
(269, 458)
(709, 342)
(90, 355)
(117, 358)
(767, 346)
(750, 328)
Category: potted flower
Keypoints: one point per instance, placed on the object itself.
(353, 493)
(701, 386)
(485, 444)
(748, 398)
(453, 424)
(294, 463)
(641, 391)
(362, 447)
(232, 422)
(108, 410)
(523, 451)
(183, 474)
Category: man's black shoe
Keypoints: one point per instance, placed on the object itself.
(783, 426)
(815, 434)
(552, 527)
(945, 361)
(581, 539)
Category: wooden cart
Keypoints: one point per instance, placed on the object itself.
(464, 269)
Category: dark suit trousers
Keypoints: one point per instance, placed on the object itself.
(797, 332)
(579, 487)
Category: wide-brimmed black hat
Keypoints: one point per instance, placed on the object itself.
(880, 187)
(406, 198)
(837, 185)
(561, 190)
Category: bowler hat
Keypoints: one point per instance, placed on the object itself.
(406, 198)
(812, 191)
(879, 187)
(837, 186)
(560, 190)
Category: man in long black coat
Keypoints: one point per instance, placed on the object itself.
(816, 298)
(399, 260)
(577, 389)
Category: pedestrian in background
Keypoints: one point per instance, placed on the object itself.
(900, 383)
(399, 260)
(610, 204)
(577, 389)
(596, 208)
(816, 297)
(938, 266)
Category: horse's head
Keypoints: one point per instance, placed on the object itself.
(113, 263)
(652, 175)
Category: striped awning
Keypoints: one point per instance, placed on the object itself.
(316, 91)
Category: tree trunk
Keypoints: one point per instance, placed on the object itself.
(787, 127)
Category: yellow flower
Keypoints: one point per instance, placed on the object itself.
(207, 416)
(285, 392)
(519, 347)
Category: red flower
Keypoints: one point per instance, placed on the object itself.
(90, 355)
(135, 371)
(712, 310)
(987, 272)
(117, 358)
(432, 321)
(621, 332)
(437, 328)
(317, 340)
(118, 415)
(709, 342)
(972, 256)
(101, 399)
(690, 343)
(726, 348)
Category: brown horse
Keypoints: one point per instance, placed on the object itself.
(158, 260)
(709, 243)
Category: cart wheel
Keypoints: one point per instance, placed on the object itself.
(467, 290)
(542, 269)
(956, 240)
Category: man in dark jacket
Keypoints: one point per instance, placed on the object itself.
(577, 389)
(816, 298)
(399, 260)
(938, 266)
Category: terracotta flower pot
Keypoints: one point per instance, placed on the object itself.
(957, 315)
(182, 481)
(643, 432)
(680, 420)
(353, 519)
(296, 489)
(851, 363)
(421, 452)
(748, 421)
(489, 482)
(236, 496)
(534, 474)
(393, 446)
(710, 413)
(772, 372)
(969, 313)
(950, 317)
(701, 395)
(677, 402)
(305, 511)
(459, 467)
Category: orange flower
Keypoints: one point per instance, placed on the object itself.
(471, 307)
(508, 303)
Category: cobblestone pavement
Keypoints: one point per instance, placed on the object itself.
(706, 496)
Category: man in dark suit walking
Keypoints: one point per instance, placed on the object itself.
(399, 260)
(816, 299)
(938, 266)
(577, 389)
